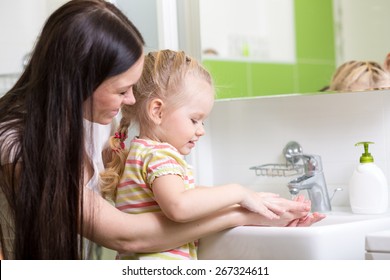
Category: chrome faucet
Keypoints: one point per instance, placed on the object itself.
(313, 179)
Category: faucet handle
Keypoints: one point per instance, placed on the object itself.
(312, 163)
(292, 152)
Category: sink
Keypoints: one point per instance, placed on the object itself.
(341, 235)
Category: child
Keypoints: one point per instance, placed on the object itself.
(360, 76)
(173, 98)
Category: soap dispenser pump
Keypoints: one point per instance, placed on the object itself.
(368, 189)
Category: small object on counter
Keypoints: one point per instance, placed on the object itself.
(368, 189)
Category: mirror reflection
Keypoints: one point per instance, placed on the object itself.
(253, 30)
(325, 34)
(358, 75)
(251, 47)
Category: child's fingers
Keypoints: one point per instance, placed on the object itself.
(275, 208)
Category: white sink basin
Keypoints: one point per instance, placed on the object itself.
(341, 235)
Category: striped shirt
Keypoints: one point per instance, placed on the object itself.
(146, 161)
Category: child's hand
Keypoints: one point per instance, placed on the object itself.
(266, 204)
(297, 212)
(273, 206)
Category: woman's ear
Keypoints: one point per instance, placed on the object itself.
(155, 110)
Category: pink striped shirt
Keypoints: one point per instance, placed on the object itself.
(146, 161)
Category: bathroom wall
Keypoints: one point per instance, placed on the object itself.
(19, 16)
(241, 133)
(20, 23)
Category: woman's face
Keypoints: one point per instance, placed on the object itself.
(110, 95)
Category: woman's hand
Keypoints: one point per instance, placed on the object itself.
(309, 219)
(297, 213)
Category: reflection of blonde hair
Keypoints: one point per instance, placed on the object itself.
(360, 75)
(163, 77)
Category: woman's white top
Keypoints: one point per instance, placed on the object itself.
(95, 142)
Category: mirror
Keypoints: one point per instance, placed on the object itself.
(250, 30)
(272, 47)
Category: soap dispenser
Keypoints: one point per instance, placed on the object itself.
(368, 189)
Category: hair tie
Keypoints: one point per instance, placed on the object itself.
(122, 137)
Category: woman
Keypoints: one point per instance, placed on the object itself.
(83, 67)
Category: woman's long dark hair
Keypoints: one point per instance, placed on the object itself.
(82, 43)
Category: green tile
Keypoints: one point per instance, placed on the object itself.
(314, 29)
(313, 77)
(271, 79)
(230, 77)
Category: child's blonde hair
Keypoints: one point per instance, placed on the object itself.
(359, 75)
(163, 77)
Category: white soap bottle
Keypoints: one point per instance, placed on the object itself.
(368, 189)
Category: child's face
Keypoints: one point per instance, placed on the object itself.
(184, 126)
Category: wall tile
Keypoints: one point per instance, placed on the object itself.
(242, 133)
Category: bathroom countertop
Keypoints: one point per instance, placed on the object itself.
(378, 241)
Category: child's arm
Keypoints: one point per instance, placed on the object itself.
(183, 205)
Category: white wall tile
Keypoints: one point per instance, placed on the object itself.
(246, 132)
